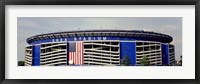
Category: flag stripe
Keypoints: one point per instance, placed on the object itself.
(73, 58)
(69, 56)
(78, 53)
(83, 53)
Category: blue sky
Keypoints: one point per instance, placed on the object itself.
(30, 26)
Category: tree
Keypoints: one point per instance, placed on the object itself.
(125, 61)
(21, 63)
(145, 61)
(180, 62)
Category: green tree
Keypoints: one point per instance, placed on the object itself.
(145, 61)
(21, 63)
(180, 62)
(125, 61)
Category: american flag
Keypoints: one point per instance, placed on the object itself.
(76, 53)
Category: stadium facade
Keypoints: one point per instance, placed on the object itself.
(99, 47)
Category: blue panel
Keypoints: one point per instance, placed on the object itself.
(128, 49)
(94, 38)
(165, 54)
(83, 38)
(36, 55)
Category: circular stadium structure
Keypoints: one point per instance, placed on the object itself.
(100, 47)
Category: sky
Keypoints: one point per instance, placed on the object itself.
(31, 26)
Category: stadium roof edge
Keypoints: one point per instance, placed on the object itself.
(74, 33)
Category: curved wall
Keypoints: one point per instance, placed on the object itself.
(99, 48)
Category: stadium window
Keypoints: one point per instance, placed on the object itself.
(73, 34)
(103, 34)
(115, 34)
(138, 43)
(99, 34)
(107, 33)
(86, 34)
(70, 34)
(120, 34)
(82, 34)
(111, 34)
(90, 34)
(131, 34)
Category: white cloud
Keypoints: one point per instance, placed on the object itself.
(28, 24)
(168, 28)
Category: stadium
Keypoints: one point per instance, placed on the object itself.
(99, 47)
